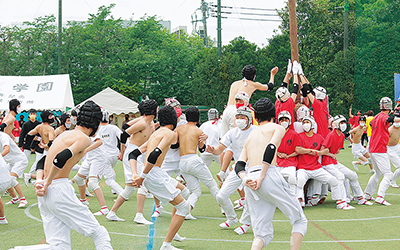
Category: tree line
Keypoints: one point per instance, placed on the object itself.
(141, 58)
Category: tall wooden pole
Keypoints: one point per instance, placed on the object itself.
(59, 36)
(293, 30)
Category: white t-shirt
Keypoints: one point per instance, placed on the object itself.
(173, 155)
(236, 138)
(96, 153)
(15, 151)
(109, 134)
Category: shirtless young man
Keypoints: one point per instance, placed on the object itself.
(8, 123)
(357, 149)
(193, 169)
(156, 180)
(65, 120)
(248, 86)
(393, 147)
(59, 207)
(265, 188)
(138, 131)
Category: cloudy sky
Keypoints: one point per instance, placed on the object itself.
(179, 12)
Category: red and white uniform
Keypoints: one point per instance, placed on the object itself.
(285, 106)
(321, 116)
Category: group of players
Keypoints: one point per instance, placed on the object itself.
(277, 148)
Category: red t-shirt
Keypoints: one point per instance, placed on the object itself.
(321, 116)
(334, 142)
(288, 106)
(16, 126)
(288, 145)
(306, 161)
(380, 134)
(354, 121)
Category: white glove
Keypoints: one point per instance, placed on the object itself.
(301, 70)
(289, 67)
(296, 68)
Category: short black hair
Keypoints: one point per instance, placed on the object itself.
(192, 114)
(249, 71)
(32, 111)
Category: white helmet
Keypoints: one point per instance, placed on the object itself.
(310, 119)
(285, 114)
(245, 111)
(386, 103)
(282, 94)
(337, 120)
(241, 95)
(320, 93)
(212, 114)
(302, 112)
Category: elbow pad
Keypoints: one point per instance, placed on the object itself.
(34, 144)
(239, 167)
(175, 145)
(40, 163)
(152, 159)
(269, 153)
(295, 88)
(134, 154)
(202, 149)
(284, 84)
(62, 158)
(305, 90)
(125, 135)
(270, 86)
(390, 119)
(3, 126)
(347, 134)
(50, 143)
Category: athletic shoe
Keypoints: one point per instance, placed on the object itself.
(372, 171)
(347, 199)
(178, 238)
(27, 178)
(221, 176)
(84, 202)
(104, 211)
(242, 229)
(350, 146)
(113, 191)
(394, 184)
(228, 223)
(321, 200)
(88, 194)
(3, 221)
(313, 201)
(354, 165)
(368, 197)
(382, 201)
(236, 201)
(149, 196)
(302, 204)
(169, 247)
(157, 211)
(12, 201)
(112, 216)
(22, 203)
(344, 206)
(222, 211)
(190, 217)
(139, 219)
(364, 202)
(240, 204)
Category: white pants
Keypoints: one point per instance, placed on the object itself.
(231, 184)
(394, 157)
(339, 171)
(109, 174)
(319, 175)
(61, 211)
(27, 153)
(127, 166)
(381, 164)
(161, 185)
(358, 150)
(18, 165)
(228, 119)
(195, 171)
(34, 166)
(93, 168)
(289, 173)
(209, 158)
(171, 168)
(273, 193)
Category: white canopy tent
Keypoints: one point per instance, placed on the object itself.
(115, 103)
(51, 92)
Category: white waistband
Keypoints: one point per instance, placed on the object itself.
(184, 157)
(59, 181)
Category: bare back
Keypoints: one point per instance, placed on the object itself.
(259, 139)
(46, 132)
(9, 120)
(357, 133)
(394, 136)
(155, 141)
(249, 88)
(188, 137)
(141, 131)
(75, 137)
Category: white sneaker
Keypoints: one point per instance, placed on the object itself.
(149, 196)
(3, 221)
(354, 165)
(228, 223)
(112, 216)
(382, 201)
(139, 219)
(88, 194)
(178, 238)
(394, 184)
(104, 211)
(372, 171)
(240, 204)
(368, 197)
(169, 247)
(302, 204)
(313, 201)
(344, 206)
(157, 211)
(12, 202)
(222, 211)
(84, 202)
(364, 202)
(22, 203)
(27, 178)
(347, 200)
(190, 217)
(242, 229)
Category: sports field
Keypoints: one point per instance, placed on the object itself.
(366, 227)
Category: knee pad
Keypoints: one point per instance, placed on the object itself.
(185, 193)
(365, 162)
(142, 190)
(93, 184)
(80, 181)
(183, 208)
(127, 192)
(14, 181)
(101, 238)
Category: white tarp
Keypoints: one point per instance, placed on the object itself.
(51, 92)
(114, 102)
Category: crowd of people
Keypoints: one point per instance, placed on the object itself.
(284, 156)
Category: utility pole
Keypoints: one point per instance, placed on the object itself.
(204, 9)
(346, 27)
(219, 43)
(59, 36)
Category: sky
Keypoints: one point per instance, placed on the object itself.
(179, 12)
